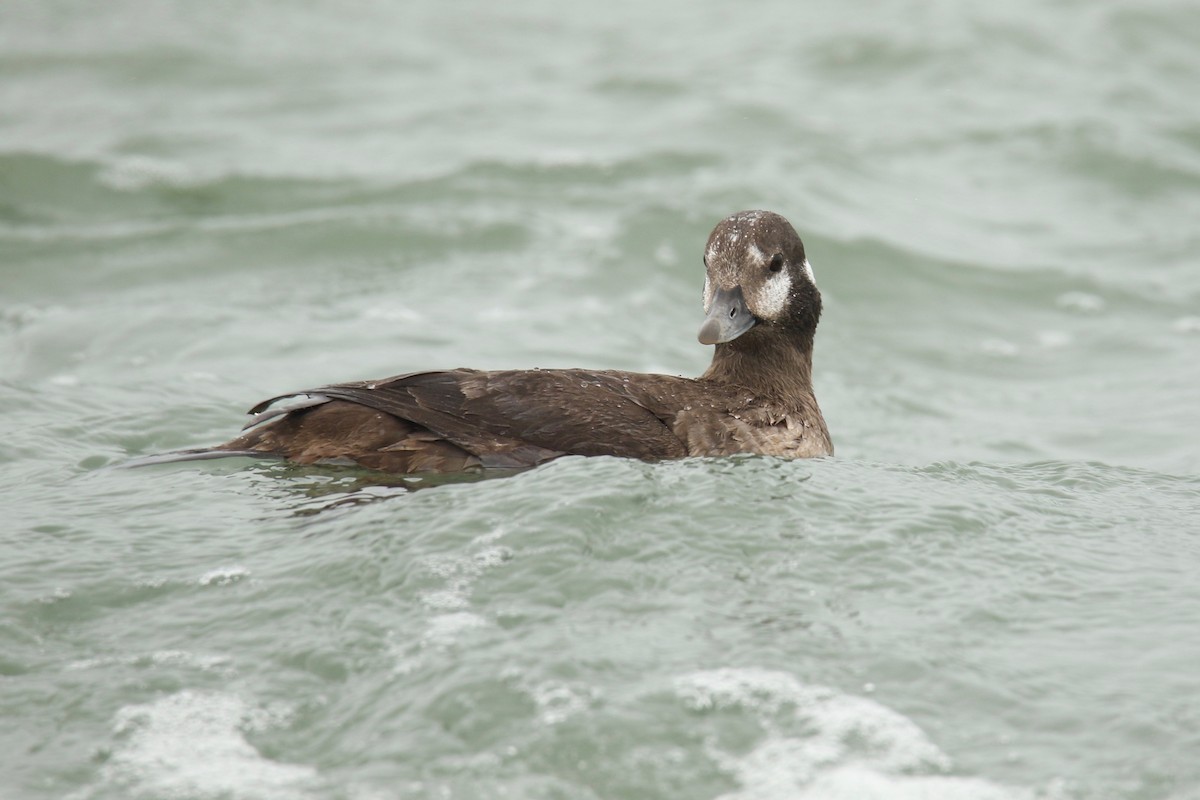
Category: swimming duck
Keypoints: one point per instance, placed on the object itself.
(762, 307)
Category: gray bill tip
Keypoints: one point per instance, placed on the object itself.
(710, 332)
(728, 317)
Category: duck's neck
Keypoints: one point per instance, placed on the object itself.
(777, 368)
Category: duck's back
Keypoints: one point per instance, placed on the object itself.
(458, 419)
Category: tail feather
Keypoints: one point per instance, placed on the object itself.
(198, 454)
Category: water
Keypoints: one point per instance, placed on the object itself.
(989, 593)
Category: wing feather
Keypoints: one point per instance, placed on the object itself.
(519, 415)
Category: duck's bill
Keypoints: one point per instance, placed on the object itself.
(728, 318)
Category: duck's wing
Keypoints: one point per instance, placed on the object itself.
(526, 415)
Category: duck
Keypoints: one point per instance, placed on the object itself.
(761, 306)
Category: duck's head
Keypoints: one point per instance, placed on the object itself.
(757, 279)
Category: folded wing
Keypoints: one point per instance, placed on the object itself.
(502, 419)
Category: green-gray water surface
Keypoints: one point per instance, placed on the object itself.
(990, 592)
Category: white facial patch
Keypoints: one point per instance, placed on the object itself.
(773, 296)
(808, 270)
(708, 294)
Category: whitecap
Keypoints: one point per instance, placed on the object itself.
(223, 575)
(193, 744)
(819, 743)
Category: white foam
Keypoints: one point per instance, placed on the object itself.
(445, 629)
(60, 593)
(819, 743)
(193, 744)
(461, 572)
(491, 557)
(450, 603)
(223, 575)
(558, 701)
(860, 783)
(444, 600)
(491, 537)
(160, 658)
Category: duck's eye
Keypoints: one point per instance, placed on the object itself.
(776, 262)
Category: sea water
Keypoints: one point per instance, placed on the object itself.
(989, 592)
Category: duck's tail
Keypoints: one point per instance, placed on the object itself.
(197, 454)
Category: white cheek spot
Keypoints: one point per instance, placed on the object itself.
(708, 294)
(757, 253)
(808, 270)
(774, 295)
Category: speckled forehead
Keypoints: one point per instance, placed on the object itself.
(731, 243)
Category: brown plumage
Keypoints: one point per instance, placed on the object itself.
(762, 310)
